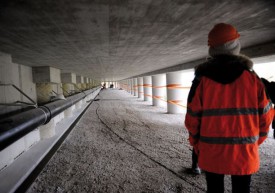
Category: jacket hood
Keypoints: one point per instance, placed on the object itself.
(224, 68)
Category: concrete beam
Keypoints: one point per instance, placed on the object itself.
(68, 78)
(260, 51)
(259, 54)
(46, 74)
(79, 79)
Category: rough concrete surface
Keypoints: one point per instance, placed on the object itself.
(111, 40)
(124, 144)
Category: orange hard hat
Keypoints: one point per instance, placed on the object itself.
(222, 33)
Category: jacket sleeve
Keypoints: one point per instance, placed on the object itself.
(266, 113)
(194, 112)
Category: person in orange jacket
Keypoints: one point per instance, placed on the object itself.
(270, 89)
(228, 113)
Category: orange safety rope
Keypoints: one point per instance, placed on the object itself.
(176, 86)
(147, 85)
(176, 102)
(158, 86)
(169, 86)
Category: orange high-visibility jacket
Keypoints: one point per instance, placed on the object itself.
(228, 115)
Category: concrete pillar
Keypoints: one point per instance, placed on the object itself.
(125, 85)
(79, 82)
(175, 93)
(129, 86)
(159, 90)
(84, 84)
(21, 77)
(135, 87)
(48, 83)
(147, 84)
(132, 86)
(119, 85)
(122, 85)
(90, 83)
(68, 80)
(140, 88)
(9, 74)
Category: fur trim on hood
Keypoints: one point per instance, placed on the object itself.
(224, 68)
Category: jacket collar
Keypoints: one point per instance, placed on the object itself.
(224, 68)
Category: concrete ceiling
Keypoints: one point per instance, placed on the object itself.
(118, 39)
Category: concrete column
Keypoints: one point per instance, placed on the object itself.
(123, 85)
(91, 83)
(21, 77)
(147, 84)
(135, 87)
(48, 83)
(86, 83)
(159, 90)
(175, 95)
(79, 82)
(132, 86)
(140, 87)
(128, 83)
(119, 85)
(68, 80)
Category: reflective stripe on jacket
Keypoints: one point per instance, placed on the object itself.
(227, 122)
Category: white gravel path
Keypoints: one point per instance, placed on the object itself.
(124, 144)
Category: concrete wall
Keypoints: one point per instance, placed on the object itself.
(21, 77)
(26, 83)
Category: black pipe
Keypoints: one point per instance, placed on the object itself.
(14, 127)
(59, 106)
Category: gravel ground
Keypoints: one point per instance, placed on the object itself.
(124, 144)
